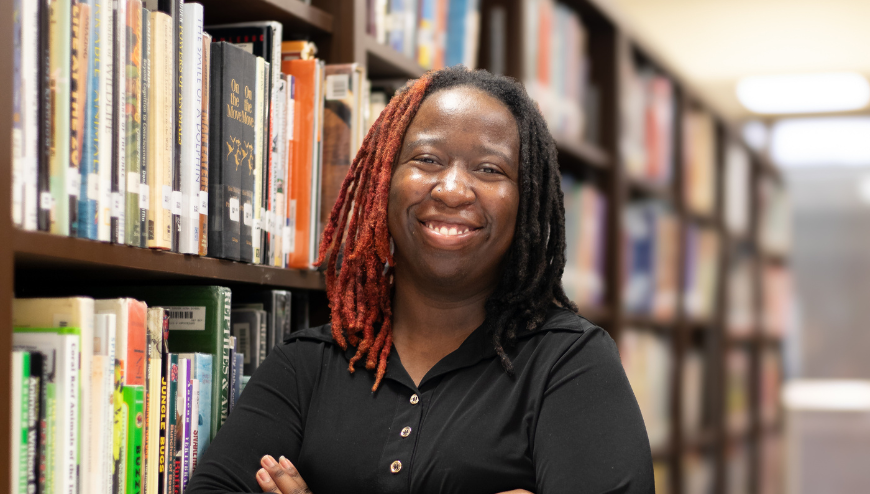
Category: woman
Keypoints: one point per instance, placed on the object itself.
(485, 379)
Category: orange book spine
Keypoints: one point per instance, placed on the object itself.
(137, 328)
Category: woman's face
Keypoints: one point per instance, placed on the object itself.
(455, 190)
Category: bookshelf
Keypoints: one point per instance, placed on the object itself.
(339, 30)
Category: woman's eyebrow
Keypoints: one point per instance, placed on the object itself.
(425, 141)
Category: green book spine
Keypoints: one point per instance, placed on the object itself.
(172, 423)
(119, 437)
(133, 232)
(60, 38)
(48, 439)
(25, 422)
(134, 400)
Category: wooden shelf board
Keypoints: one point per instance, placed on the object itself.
(701, 219)
(639, 187)
(661, 453)
(775, 258)
(578, 154)
(386, 63)
(641, 321)
(38, 253)
(596, 314)
(701, 440)
(297, 17)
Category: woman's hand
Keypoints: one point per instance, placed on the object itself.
(517, 491)
(280, 476)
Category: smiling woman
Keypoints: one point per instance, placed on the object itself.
(444, 255)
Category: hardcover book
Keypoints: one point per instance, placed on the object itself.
(233, 73)
(160, 132)
(203, 155)
(118, 228)
(104, 22)
(145, 129)
(60, 39)
(133, 116)
(79, 76)
(151, 432)
(190, 127)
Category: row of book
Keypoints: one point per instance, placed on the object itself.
(136, 124)
(556, 65)
(585, 239)
(434, 33)
(123, 395)
(647, 360)
(650, 251)
(699, 472)
(647, 106)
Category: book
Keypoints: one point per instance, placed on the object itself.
(104, 13)
(238, 365)
(278, 173)
(203, 155)
(182, 425)
(699, 161)
(99, 478)
(118, 218)
(61, 346)
(26, 104)
(20, 387)
(120, 421)
(35, 414)
(199, 322)
(169, 421)
(79, 77)
(60, 37)
(302, 199)
(585, 239)
(160, 133)
(231, 375)
(736, 178)
(201, 368)
(134, 398)
(190, 126)
(145, 128)
(647, 361)
(232, 127)
(45, 118)
(174, 8)
(261, 130)
(249, 151)
(193, 442)
(133, 116)
(89, 166)
(153, 371)
(75, 312)
(250, 336)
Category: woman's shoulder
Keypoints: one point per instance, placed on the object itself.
(563, 323)
(566, 334)
(314, 334)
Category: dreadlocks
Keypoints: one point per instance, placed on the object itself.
(360, 291)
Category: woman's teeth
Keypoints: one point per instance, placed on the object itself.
(448, 231)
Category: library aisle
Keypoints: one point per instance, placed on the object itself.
(171, 166)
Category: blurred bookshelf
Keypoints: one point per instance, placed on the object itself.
(677, 231)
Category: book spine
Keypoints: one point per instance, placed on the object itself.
(66, 449)
(146, 221)
(152, 398)
(215, 180)
(182, 424)
(28, 79)
(276, 218)
(80, 32)
(60, 37)
(178, 18)
(119, 430)
(172, 423)
(33, 413)
(88, 194)
(119, 135)
(133, 115)
(223, 375)
(104, 160)
(19, 418)
(160, 132)
(204, 375)
(260, 128)
(108, 392)
(45, 118)
(48, 436)
(190, 125)
(18, 85)
(190, 438)
(203, 166)
(134, 398)
(247, 169)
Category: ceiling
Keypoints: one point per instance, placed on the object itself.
(712, 43)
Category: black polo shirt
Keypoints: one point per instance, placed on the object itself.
(566, 422)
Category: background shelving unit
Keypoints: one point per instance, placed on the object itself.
(31, 261)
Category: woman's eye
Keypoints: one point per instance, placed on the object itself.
(489, 170)
(425, 160)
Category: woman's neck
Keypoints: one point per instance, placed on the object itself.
(429, 322)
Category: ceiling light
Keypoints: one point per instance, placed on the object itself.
(823, 141)
(827, 395)
(804, 93)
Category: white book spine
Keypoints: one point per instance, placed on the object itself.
(119, 197)
(104, 173)
(316, 160)
(108, 429)
(15, 485)
(30, 105)
(280, 174)
(259, 128)
(181, 410)
(103, 369)
(191, 136)
(194, 420)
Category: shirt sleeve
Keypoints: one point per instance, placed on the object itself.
(590, 437)
(267, 419)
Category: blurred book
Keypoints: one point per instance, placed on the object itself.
(778, 300)
(737, 188)
(699, 161)
(737, 391)
(740, 317)
(650, 251)
(694, 396)
(698, 473)
(701, 271)
(585, 238)
(647, 360)
(737, 469)
(770, 386)
(775, 218)
(772, 478)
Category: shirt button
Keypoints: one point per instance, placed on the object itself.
(396, 466)
(405, 432)
(415, 399)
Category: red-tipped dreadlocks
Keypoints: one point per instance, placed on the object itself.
(360, 295)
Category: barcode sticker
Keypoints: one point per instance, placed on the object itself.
(144, 196)
(116, 204)
(186, 318)
(249, 214)
(176, 202)
(337, 86)
(133, 182)
(242, 332)
(203, 202)
(234, 209)
(74, 183)
(93, 186)
(45, 201)
(167, 197)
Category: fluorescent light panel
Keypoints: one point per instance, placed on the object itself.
(822, 141)
(804, 93)
(827, 395)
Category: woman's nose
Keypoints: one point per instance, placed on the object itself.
(453, 187)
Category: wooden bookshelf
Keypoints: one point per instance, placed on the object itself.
(339, 29)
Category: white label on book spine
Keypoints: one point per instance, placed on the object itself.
(74, 183)
(45, 201)
(186, 318)
(249, 214)
(256, 233)
(263, 218)
(291, 226)
(270, 228)
(286, 241)
(144, 196)
(242, 330)
(167, 197)
(337, 86)
(93, 186)
(203, 202)
(133, 182)
(234, 209)
(176, 202)
(116, 204)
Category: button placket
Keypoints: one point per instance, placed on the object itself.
(398, 451)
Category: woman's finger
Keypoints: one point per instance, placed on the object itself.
(265, 481)
(516, 491)
(284, 475)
